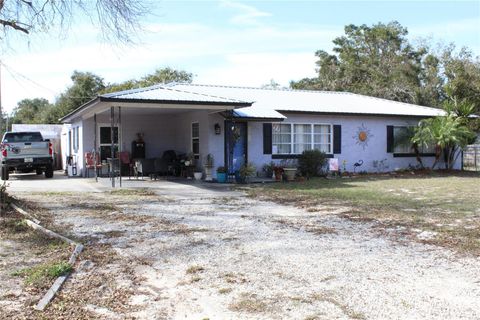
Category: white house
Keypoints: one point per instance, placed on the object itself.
(238, 124)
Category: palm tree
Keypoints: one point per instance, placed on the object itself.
(405, 137)
(449, 134)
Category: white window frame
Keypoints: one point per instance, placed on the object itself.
(75, 139)
(197, 138)
(312, 138)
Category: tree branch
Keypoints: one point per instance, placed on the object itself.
(13, 25)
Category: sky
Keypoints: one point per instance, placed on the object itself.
(246, 43)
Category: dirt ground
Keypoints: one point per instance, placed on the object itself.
(178, 251)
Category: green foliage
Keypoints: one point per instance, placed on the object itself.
(221, 169)
(85, 87)
(268, 169)
(164, 75)
(41, 275)
(380, 61)
(375, 60)
(30, 111)
(247, 170)
(311, 162)
(448, 133)
(462, 73)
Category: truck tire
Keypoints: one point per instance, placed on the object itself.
(5, 173)
(38, 171)
(49, 171)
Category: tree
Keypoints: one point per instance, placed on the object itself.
(377, 61)
(449, 134)
(30, 111)
(462, 73)
(116, 18)
(164, 75)
(86, 86)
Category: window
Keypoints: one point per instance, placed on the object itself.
(288, 138)
(281, 138)
(76, 138)
(402, 141)
(105, 139)
(196, 139)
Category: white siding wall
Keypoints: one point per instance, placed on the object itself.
(164, 132)
(351, 151)
(161, 133)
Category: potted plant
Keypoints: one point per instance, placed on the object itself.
(246, 171)
(278, 171)
(197, 173)
(290, 169)
(222, 174)
(267, 169)
(208, 167)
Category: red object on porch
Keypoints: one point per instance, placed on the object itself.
(126, 161)
(90, 162)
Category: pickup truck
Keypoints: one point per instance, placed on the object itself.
(26, 152)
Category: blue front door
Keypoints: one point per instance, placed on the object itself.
(236, 145)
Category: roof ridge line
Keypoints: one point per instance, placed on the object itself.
(206, 95)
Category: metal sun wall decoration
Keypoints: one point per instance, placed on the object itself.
(362, 136)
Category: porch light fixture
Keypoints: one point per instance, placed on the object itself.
(217, 128)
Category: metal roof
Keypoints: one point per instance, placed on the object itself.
(271, 103)
(261, 103)
(167, 93)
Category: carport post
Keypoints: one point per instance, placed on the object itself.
(95, 147)
(112, 145)
(120, 143)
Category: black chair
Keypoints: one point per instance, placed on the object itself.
(172, 162)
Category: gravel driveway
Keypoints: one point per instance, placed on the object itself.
(191, 252)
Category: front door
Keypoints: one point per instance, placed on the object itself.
(236, 145)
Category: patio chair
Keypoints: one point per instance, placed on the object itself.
(172, 162)
(125, 162)
(90, 163)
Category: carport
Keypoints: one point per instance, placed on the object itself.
(181, 121)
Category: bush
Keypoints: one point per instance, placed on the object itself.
(311, 163)
(247, 170)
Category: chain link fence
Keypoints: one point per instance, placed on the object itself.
(471, 158)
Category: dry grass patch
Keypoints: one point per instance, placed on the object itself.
(250, 303)
(225, 290)
(330, 298)
(194, 269)
(133, 192)
(445, 204)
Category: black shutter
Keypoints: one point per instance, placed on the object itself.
(267, 138)
(337, 139)
(389, 139)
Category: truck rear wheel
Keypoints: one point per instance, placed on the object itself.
(5, 173)
(49, 171)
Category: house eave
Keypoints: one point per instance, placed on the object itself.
(80, 111)
(355, 114)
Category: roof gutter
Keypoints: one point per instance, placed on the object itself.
(98, 99)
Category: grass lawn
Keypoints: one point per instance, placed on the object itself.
(448, 205)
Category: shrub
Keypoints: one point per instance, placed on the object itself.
(268, 169)
(221, 170)
(247, 170)
(311, 162)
